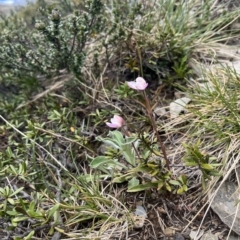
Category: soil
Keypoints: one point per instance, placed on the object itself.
(168, 215)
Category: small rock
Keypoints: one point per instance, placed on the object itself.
(179, 94)
(209, 236)
(225, 205)
(178, 106)
(140, 211)
(138, 222)
(169, 232)
(179, 237)
(159, 111)
(195, 235)
(139, 217)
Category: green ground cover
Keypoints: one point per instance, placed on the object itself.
(64, 174)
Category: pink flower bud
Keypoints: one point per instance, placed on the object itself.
(116, 122)
(139, 84)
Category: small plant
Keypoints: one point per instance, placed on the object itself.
(136, 165)
(9, 196)
(99, 115)
(206, 164)
(123, 91)
(138, 161)
(133, 163)
(124, 145)
(181, 183)
(181, 68)
(140, 84)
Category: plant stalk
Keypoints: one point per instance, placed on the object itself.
(162, 147)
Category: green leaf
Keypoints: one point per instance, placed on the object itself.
(9, 152)
(13, 169)
(34, 214)
(32, 206)
(104, 163)
(12, 213)
(53, 210)
(168, 187)
(16, 220)
(16, 192)
(215, 173)
(190, 164)
(155, 172)
(122, 178)
(152, 165)
(111, 142)
(183, 178)
(185, 188)
(129, 154)
(146, 154)
(133, 183)
(51, 231)
(2, 190)
(174, 182)
(90, 177)
(203, 183)
(29, 236)
(216, 164)
(60, 230)
(156, 152)
(55, 217)
(119, 179)
(117, 136)
(143, 187)
(97, 161)
(130, 140)
(206, 166)
(57, 113)
(160, 185)
(180, 191)
(11, 201)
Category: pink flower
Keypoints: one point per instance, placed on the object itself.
(139, 84)
(116, 122)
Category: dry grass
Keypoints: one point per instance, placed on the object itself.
(213, 118)
(159, 40)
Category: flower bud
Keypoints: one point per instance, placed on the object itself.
(116, 122)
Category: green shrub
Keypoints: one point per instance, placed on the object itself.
(56, 43)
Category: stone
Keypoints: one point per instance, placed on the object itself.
(209, 236)
(225, 205)
(178, 106)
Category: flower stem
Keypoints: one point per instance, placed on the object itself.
(162, 147)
